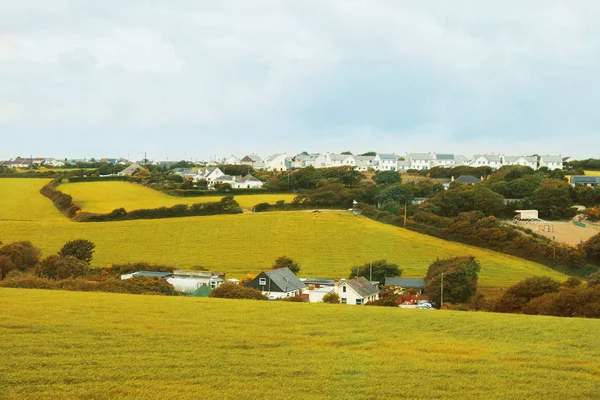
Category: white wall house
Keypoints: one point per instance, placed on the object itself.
(304, 160)
(385, 162)
(247, 182)
(321, 161)
(364, 163)
(190, 281)
(420, 160)
(357, 291)
(403, 165)
(276, 162)
(444, 160)
(316, 295)
(233, 160)
(552, 162)
(254, 161)
(525, 161)
(493, 161)
(208, 174)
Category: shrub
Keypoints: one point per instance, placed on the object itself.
(23, 255)
(460, 279)
(571, 302)
(516, 297)
(57, 267)
(331, 298)
(6, 266)
(81, 249)
(233, 291)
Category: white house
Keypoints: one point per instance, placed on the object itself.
(552, 162)
(276, 162)
(130, 170)
(385, 162)
(233, 160)
(403, 165)
(277, 283)
(190, 281)
(420, 160)
(364, 163)
(357, 291)
(526, 161)
(316, 295)
(208, 174)
(321, 161)
(444, 160)
(247, 182)
(493, 161)
(254, 161)
(304, 160)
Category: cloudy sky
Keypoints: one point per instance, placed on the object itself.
(197, 78)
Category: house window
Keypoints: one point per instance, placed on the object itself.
(344, 301)
(344, 289)
(262, 281)
(359, 301)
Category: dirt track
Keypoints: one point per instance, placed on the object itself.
(566, 232)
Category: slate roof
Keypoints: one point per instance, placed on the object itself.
(404, 163)
(585, 179)
(417, 283)
(364, 158)
(248, 178)
(419, 156)
(362, 286)
(489, 157)
(285, 279)
(552, 159)
(273, 157)
(512, 159)
(444, 156)
(338, 157)
(387, 156)
(152, 274)
(224, 178)
(467, 179)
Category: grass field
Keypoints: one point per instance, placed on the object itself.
(99, 345)
(103, 197)
(592, 173)
(326, 244)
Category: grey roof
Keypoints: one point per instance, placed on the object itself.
(248, 178)
(406, 282)
(461, 158)
(513, 159)
(364, 158)
(285, 279)
(585, 179)
(274, 156)
(419, 156)
(338, 157)
(152, 274)
(224, 178)
(489, 157)
(552, 159)
(362, 286)
(439, 156)
(467, 179)
(404, 163)
(387, 156)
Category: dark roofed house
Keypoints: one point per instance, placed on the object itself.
(277, 283)
(468, 179)
(357, 291)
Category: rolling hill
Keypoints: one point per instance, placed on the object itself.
(326, 244)
(99, 345)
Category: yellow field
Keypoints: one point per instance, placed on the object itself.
(103, 197)
(326, 244)
(103, 346)
(592, 173)
(20, 200)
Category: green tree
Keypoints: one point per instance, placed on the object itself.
(377, 271)
(464, 198)
(331, 298)
(519, 295)
(369, 154)
(56, 267)
(387, 177)
(398, 193)
(552, 199)
(592, 249)
(6, 265)
(23, 254)
(460, 279)
(81, 249)
(286, 262)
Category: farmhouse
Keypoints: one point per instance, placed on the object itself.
(247, 182)
(277, 283)
(357, 291)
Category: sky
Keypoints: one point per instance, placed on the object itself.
(198, 79)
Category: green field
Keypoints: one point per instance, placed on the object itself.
(103, 197)
(326, 244)
(99, 346)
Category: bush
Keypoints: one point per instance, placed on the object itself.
(331, 298)
(81, 249)
(571, 302)
(516, 297)
(6, 266)
(23, 255)
(57, 267)
(460, 279)
(233, 291)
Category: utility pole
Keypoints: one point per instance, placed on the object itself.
(554, 246)
(442, 293)
(405, 205)
(371, 272)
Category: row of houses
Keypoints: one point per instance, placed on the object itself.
(24, 162)
(282, 283)
(214, 176)
(394, 162)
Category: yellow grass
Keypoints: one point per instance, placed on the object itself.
(326, 244)
(20, 200)
(592, 173)
(103, 197)
(98, 345)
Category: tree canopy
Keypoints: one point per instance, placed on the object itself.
(286, 262)
(380, 269)
(460, 279)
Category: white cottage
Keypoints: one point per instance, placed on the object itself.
(385, 162)
(357, 291)
(276, 162)
(420, 160)
(248, 182)
(525, 161)
(493, 161)
(552, 162)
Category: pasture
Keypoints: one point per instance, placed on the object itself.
(103, 197)
(592, 173)
(20, 200)
(100, 345)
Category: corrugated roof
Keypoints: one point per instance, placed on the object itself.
(406, 282)
(285, 279)
(362, 286)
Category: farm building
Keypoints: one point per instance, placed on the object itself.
(151, 274)
(585, 180)
(277, 283)
(189, 281)
(357, 291)
(407, 283)
(318, 282)
(316, 295)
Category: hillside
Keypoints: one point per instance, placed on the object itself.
(325, 244)
(103, 197)
(100, 345)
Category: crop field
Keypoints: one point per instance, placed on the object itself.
(326, 244)
(20, 200)
(592, 173)
(100, 345)
(103, 197)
